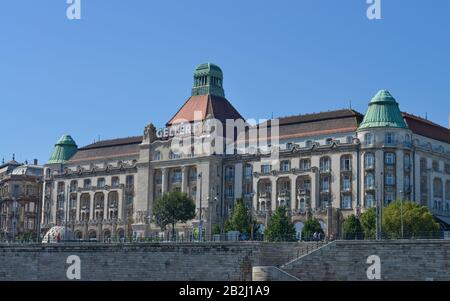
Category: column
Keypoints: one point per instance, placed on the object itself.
(120, 208)
(164, 178)
(274, 197)
(91, 207)
(77, 217)
(184, 178)
(314, 194)
(105, 206)
(293, 192)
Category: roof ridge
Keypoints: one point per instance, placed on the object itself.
(99, 145)
(320, 112)
(423, 120)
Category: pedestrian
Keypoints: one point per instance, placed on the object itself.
(315, 236)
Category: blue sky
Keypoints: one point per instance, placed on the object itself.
(128, 63)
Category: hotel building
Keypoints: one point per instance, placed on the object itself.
(329, 165)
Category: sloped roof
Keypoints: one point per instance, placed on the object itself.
(317, 124)
(383, 111)
(207, 106)
(426, 128)
(107, 149)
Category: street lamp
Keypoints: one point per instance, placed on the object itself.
(15, 204)
(200, 209)
(401, 212)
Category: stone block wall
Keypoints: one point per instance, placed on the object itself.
(143, 261)
(404, 260)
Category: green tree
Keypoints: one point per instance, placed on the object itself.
(352, 228)
(311, 226)
(368, 223)
(280, 228)
(240, 218)
(216, 229)
(417, 221)
(173, 207)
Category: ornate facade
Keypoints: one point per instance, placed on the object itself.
(329, 165)
(20, 199)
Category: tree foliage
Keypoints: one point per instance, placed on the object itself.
(368, 223)
(311, 226)
(173, 207)
(240, 218)
(417, 221)
(352, 228)
(280, 228)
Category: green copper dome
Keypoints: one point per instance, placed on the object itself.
(208, 79)
(383, 111)
(64, 149)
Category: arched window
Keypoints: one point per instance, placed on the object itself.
(99, 205)
(113, 205)
(85, 205)
(73, 185)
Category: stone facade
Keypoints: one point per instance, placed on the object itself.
(330, 165)
(20, 200)
(404, 260)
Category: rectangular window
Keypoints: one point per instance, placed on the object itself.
(87, 183)
(368, 139)
(176, 176)
(305, 164)
(247, 172)
(389, 139)
(325, 184)
(390, 158)
(101, 182)
(285, 166)
(436, 166)
(347, 202)
(370, 201)
(129, 181)
(389, 197)
(346, 183)
(390, 178)
(266, 168)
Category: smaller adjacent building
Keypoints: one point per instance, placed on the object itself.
(20, 198)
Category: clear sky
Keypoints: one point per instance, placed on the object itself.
(128, 63)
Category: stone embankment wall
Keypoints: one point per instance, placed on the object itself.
(404, 260)
(146, 261)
